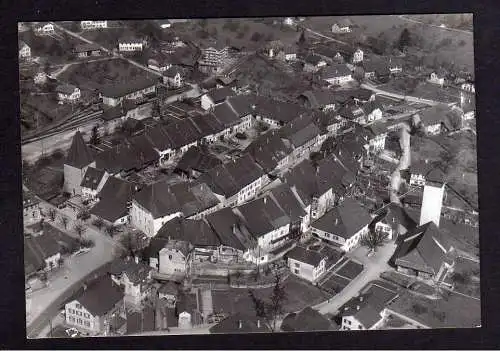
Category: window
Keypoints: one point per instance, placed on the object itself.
(296, 271)
(297, 265)
(78, 306)
(87, 315)
(170, 257)
(87, 324)
(79, 321)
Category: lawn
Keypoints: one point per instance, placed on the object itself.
(93, 75)
(445, 45)
(466, 277)
(426, 90)
(56, 49)
(464, 237)
(350, 270)
(46, 177)
(108, 37)
(335, 283)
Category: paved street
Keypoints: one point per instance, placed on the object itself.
(373, 266)
(75, 270)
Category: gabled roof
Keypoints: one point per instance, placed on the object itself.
(158, 138)
(268, 150)
(365, 310)
(335, 71)
(207, 124)
(240, 323)
(92, 178)
(344, 22)
(308, 319)
(270, 216)
(220, 94)
(423, 249)
(86, 47)
(289, 203)
(226, 115)
(182, 132)
(197, 159)
(300, 130)
(36, 250)
(344, 220)
(136, 272)
(100, 296)
(434, 115)
(173, 71)
(79, 154)
(115, 197)
(319, 98)
(277, 110)
(67, 89)
(223, 222)
(196, 232)
(117, 90)
(371, 106)
(229, 178)
(299, 178)
(301, 254)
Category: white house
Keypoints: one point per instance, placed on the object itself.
(307, 264)
(343, 26)
(418, 172)
(129, 45)
(92, 183)
(289, 21)
(68, 93)
(174, 258)
(337, 74)
(134, 277)
(114, 94)
(437, 78)
(93, 24)
(344, 225)
(93, 311)
(358, 56)
(468, 87)
(24, 50)
(360, 314)
(46, 29)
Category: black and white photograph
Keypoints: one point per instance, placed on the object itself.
(249, 175)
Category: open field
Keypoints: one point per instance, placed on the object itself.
(56, 48)
(453, 46)
(465, 278)
(94, 74)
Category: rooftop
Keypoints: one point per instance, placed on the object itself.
(223, 222)
(307, 320)
(118, 90)
(114, 199)
(270, 215)
(304, 255)
(136, 272)
(240, 323)
(79, 154)
(92, 178)
(100, 296)
(335, 71)
(196, 232)
(268, 150)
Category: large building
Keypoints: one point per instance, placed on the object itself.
(79, 158)
(213, 56)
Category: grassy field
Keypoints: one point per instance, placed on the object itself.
(94, 74)
(56, 49)
(447, 46)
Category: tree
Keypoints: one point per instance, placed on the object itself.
(404, 39)
(98, 222)
(373, 239)
(94, 137)
(256, 36)
(447, 159)
(111, 230)
(302, 39)
(271, 310)
(131, 244)
(79, 229)
(52, 213)
(64, 221)
(83, 215)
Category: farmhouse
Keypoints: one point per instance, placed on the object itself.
(93, 24)
(337, 74)
(41, 253)
(342, 26)
(437, 77)
(424, 252)
(344, 225)
(174, 257)
(362, 313)
(68, 93)
(114, 94)
(433, 117)
(93, 310)
(130, 45)
(87, 50)
(307, 264)
(173, 77)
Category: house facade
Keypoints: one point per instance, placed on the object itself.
(142, 219)
(337, 74)
(341, 27)
(68, 93)
(174, 259)
(130, 45)
(113, 96)
(46, 29)
(306, 264)
(358, 56)
(212, 57)
(24, 50)
(93, 24)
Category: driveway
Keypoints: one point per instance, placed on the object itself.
(373, 266)
(76, 269)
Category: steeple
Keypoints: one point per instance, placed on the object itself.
(79, 154)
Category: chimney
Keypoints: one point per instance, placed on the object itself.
(240, 324)
(258, 323)
(357, 307)
(336, 221)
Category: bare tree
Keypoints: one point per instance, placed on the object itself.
(373, 239)
(79, 229)
(271, 310)
(98, 222)
(131, 244)
(52, 213)
(111, 230)
(64, 221)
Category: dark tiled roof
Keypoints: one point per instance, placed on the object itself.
(362, 94)
(425, 248)
(86, 47)
(319, 98)
(331, 174)
(301, 254)
(196, 232)
(158, 138)
(434, 115)
(377, 128)
(120, 90)
(229, 178)
(79, 154)
(207, 124)
(277, 110)
(29, 199)
(270, 216)
(299, 177)
(312, 59)
(420, 168)
(345, 22)
(304, 135)
(300, 130)
(268, 149)
(100, 296)
(242, 104)
(222, 223)
(335, 71)
(136, 272)
(307, 320)
(226, 115)
(197, 159)
(366, 311)
(170, 288)
(115, 197)
(36, 250)
(288, 202)
(158, 199)
(249, 324)
(67, 89)
(173, 71)
(219, 95)
(115, 112)
(92, 178)
(371, 106)
(344, 220)
(182, 132)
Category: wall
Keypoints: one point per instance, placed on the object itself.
(75, 315)
(73, 178)
(172, 262)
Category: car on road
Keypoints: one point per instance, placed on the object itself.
(81, 251)
(72, 332)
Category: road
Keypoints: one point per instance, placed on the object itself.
(373, 267)
(400, 96)
(46, 302)
(403, 17)
(325, 36)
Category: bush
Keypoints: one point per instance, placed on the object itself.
(83, 215)
(87, 243)
(98, 222)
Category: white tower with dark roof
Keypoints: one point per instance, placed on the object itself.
(432, 201)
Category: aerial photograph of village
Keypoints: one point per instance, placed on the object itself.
(249, 175)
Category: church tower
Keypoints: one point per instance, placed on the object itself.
(78, 160)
